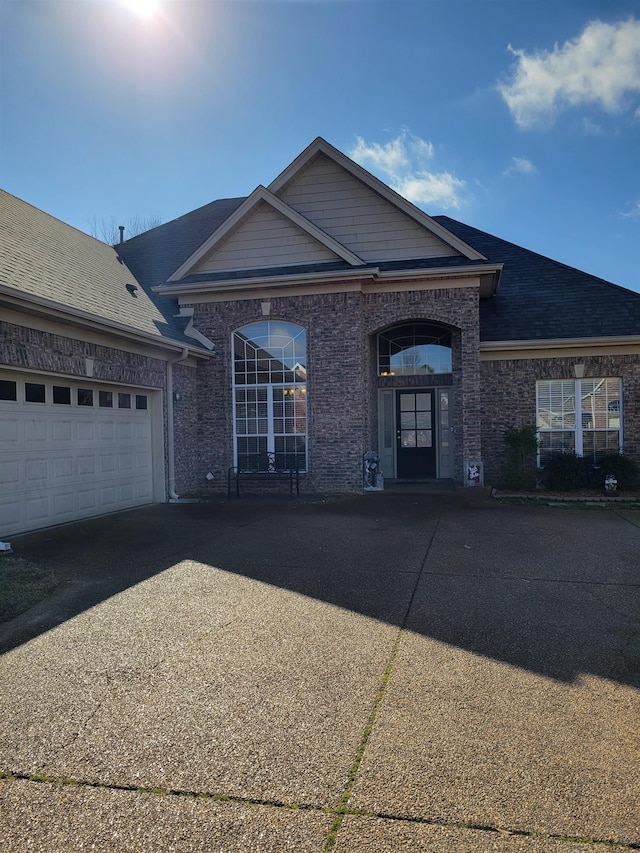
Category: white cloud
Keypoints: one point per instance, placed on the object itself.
(520, 166)
(633, 213)
(601, 66)
(402, 164)
(429, 188)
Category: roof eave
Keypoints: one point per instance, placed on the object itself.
(488, 274)
(40, 306)
(559, 343)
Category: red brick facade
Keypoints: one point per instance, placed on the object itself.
(342, 379)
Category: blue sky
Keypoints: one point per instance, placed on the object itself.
(520, 117)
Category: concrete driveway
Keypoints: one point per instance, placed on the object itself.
(393, 672)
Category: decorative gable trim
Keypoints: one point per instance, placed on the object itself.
(321, 146)
(262, 194)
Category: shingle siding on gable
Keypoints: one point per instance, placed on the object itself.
(357, 217)
(266, 238)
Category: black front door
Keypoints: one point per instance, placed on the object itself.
(415, 435)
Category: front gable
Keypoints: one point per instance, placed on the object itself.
(264, 232)
(323, 209)
(265, 238)
(353, 213)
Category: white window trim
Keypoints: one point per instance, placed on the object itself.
(578, 429)
(270, 434)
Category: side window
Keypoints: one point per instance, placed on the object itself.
(579, 415)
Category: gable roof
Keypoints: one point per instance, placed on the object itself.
(48, 263)
(543, 299)
(155, 255)
(320, 148)
(300, 228)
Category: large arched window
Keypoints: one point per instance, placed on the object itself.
(270, 394)
(414, 349)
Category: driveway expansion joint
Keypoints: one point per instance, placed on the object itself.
(341, 811)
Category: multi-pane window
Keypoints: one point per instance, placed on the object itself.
(414, 349)
(579, 415)
(270, 394)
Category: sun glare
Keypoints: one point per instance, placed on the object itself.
(142, 8)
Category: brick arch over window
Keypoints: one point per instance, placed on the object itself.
(270, 393)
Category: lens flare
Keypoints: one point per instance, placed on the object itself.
(142, 8)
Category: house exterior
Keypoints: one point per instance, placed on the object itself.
(322, 317)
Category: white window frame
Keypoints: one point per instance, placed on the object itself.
(296, 388)
(578, 428)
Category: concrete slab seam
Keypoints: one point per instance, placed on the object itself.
(340, 811)
(346, 796)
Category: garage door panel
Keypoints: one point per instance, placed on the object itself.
(64, 505)
(125, 492)
(9, 473)
(8, 432)
(143, 461)
(85, 431)
(36, 471)
(37, 509)
(35, 432)
(106, 431)
(108, 496)
(62, 462)
(86, 465)
(62, 431)
(106, 463)
(10, 512)
(142, 491)
(143, 430)
(62, 468)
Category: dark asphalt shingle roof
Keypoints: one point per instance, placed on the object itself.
(156, 254)
(539, 298)
(44, 258)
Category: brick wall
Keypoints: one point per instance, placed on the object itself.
(342, 377)
(509, 398)
(35, 350)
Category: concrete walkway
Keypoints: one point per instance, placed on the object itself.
(393, 672)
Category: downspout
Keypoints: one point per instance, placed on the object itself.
(171, 460)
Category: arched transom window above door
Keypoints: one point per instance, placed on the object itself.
(414, 349)
(270, 394)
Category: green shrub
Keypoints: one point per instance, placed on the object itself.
(520, 457)
(565, 472)
(624, 469)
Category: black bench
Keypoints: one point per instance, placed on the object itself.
(264, 468)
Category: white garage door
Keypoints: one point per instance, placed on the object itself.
(71, 450)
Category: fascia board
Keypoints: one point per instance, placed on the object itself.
(369, 274)
(545, 343)
(538, 348)
(443, 272)
(321, 146)
(71, 316)
(262, 194)
(180, 289)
